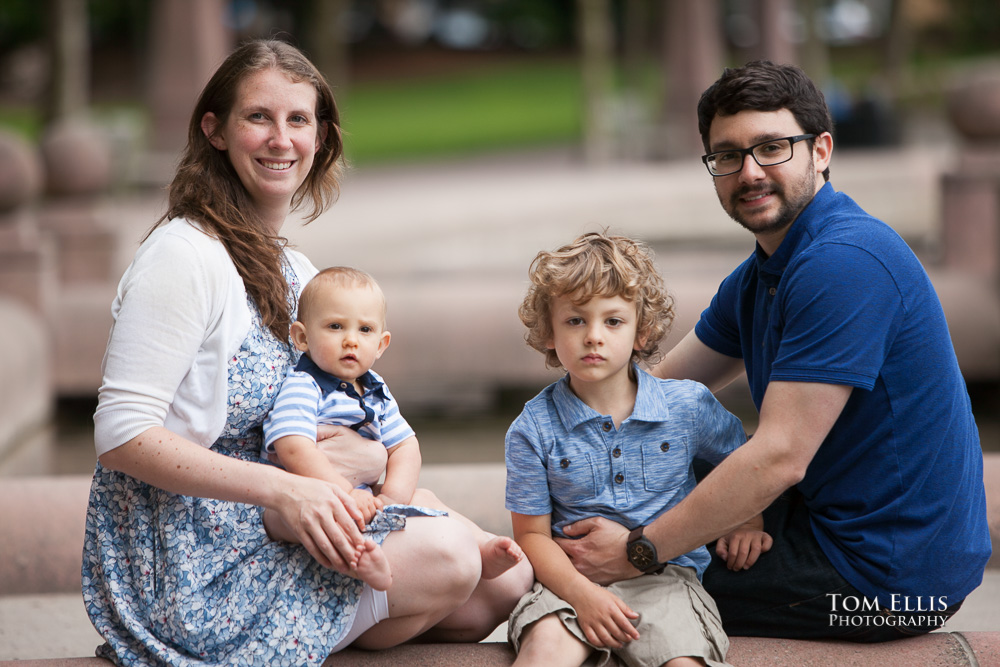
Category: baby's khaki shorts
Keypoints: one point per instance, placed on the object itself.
(676, 618)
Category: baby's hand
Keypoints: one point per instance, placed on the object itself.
(367, 503)
(742, 547)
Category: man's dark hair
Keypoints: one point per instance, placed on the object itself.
(763, 86)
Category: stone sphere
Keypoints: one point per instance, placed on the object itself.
(974, 105)
(21, 172)
(78, 159)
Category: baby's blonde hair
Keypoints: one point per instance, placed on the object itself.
(597, 264)
(337, 276)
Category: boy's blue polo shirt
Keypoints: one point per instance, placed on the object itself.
(895, 492)
(567, 460)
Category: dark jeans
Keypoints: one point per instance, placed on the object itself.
(793, 590)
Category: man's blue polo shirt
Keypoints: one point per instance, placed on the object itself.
(895, 492)
(567, 460)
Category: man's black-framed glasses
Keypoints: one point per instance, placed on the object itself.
(766, 154)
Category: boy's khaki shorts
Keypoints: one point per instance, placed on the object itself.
(676, 618)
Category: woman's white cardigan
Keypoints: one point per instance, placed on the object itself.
(180, 315)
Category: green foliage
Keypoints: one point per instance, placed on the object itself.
(24, 121)
(21, 23)
(496, 107)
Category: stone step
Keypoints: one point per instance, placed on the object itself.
(945, 649)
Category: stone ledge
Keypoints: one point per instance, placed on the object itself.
(941, 649)
(44, 517)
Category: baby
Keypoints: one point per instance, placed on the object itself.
(341, 332)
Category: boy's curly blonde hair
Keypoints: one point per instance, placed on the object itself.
(597, 264)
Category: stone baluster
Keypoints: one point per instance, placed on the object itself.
(26, 257)
(971, 191)
(78, 165)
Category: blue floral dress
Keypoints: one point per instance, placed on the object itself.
(177, 580)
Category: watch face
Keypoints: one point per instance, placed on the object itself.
(641, 554)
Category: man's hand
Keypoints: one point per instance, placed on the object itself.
(604, 617)
(742, 547)
(598, 550)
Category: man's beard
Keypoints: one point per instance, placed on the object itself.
(801, 193)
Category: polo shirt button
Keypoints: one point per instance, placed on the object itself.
(616, 453)
(619, 478)
(343, 385)
(564, 463)
(665, 447)
(607, 426)
(772, 291)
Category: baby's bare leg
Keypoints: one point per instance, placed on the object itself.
(499, 553)
(373, 567)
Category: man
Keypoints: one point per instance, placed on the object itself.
(866, 457)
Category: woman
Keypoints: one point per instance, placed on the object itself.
(177, 567)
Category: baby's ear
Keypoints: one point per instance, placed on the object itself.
(383, 342)
(298, 334)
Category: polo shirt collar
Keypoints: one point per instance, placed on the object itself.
(328, 382)
(650, 405)
(800, 234)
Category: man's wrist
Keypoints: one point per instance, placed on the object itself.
(641, 552)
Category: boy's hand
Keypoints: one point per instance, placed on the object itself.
(604, 617)
(367, 503)
(742, 547)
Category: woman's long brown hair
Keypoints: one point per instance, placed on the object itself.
(208, 190)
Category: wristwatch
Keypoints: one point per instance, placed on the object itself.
(641, 552)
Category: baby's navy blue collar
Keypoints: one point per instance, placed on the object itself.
(328, 382)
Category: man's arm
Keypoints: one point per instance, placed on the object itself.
(691, 359)
(795, 419)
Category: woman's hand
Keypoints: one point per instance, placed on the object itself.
(324, 518)
(360, 460)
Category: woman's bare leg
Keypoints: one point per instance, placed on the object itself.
(488, 607)
(495, 597)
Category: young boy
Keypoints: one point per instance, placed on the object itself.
(340, 330)
(610, 440)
